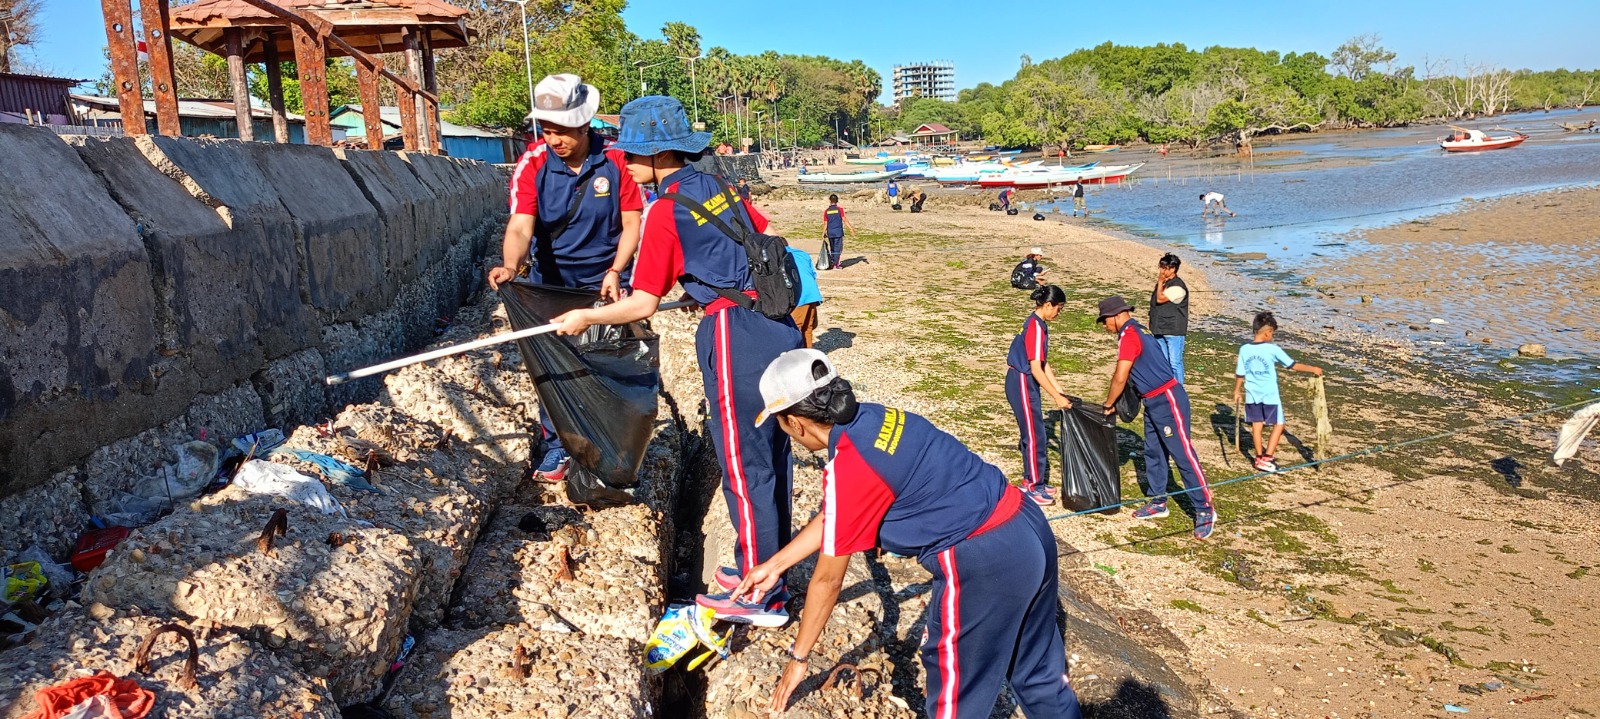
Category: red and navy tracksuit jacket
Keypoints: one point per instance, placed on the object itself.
(895, 481)
(833, 229)
(1022, 391)
(733, 346)
(1166, 416)
(542, 185)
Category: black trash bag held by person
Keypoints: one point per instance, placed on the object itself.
(1128, 403)
(1090, 476)
(600, 389)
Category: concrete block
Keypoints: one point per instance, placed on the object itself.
(407, 210)
(78, 361)
(343, 262)
(439, 176)
(227, 293)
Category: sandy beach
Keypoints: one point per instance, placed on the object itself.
(1455, 572)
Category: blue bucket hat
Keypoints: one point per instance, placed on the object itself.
(656, 123)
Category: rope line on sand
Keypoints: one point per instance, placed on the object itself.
(1369, 451)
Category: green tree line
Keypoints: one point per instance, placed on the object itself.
(1171, 93)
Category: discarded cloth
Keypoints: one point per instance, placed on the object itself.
(262, 477)
(683, 628)
(1573, 432)
(599, 390)
(1319, 409)
(128, 700)
(257, 444)
(331, 468)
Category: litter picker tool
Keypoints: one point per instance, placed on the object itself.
(430, 355)
(1238, 426)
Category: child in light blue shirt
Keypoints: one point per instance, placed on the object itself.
(1256, 383)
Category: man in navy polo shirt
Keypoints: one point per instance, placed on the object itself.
(574, 208)
(1166, 415)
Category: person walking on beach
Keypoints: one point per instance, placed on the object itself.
(1028, 375)
(834, 223)
(1216, 198)
(894, 194)
(894, 481)
(1166, 416)
(733, 344)
(1169, 312)
(1255, 382)
(1078, 203)
(809, 299)
(577, 214)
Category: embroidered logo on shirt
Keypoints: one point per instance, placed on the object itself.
(602, 186)
(894, 423)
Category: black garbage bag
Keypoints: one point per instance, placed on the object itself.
(1128, 403)
(600, 389)
(1089, 473)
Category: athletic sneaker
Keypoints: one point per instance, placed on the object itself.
(728, 578)
(766, 614)
(1151, 510)
(1042, 495)
(1264, 463)
(554, 466)
(1205, 520)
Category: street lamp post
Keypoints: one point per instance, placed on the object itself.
(759, 113)
(641, 67)
(694, 86)
(527, 47)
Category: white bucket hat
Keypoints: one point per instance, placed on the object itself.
(564, 100)
(791, 378)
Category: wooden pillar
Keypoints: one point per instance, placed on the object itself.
(163, 82)
(430, 82)
(310, 57)
(280, 118)
(241, 91)
(371, 111)
(419, 139)
(121, 46)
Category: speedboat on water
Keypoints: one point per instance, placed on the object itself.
(1464, 140)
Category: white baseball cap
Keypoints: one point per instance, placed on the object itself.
(791, 378)
(1036, 251)
(565, 100)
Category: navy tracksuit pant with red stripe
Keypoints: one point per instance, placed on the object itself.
(1166, 434)
(992, 618)
(1022, 391)
(734, 346)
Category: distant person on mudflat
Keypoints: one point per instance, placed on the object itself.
(1166, 416)
(894, 193)
(1078, 203)
(1255, 383)
(834, 223)
(916, 202)
(1029, 377)
(574, 209)
(1215, 198)
(1005, 199)
(1169, 312)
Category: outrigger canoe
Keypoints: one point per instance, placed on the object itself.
(1475, 140)
(1032, 178)
(830, 178)
(1101, 148)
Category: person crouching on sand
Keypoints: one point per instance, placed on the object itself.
(894, 481)
(1216, 198)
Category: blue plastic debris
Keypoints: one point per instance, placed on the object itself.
(1454, 708)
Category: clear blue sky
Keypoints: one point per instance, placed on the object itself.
(1536, 34)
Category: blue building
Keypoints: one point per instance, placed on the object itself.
(457, 140)
(196, 118)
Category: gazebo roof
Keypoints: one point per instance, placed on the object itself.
(372, 26)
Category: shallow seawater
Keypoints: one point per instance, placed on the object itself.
(1293, 220)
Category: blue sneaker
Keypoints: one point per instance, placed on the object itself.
(1042, 496)
(1205, 520)
(1151, 510)
(553, 468)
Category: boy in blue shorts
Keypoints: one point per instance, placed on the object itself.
(1256, 380)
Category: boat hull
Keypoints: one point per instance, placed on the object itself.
(1499, 143)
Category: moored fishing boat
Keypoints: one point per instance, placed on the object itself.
(844, 177)
(1037, 177)
(1464, 140)
(1101, 148)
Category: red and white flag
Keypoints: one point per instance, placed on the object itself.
(144, 51)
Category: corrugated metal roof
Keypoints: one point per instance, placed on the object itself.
(391, 118)
(199, 12)
(20, 93)
(222, 109)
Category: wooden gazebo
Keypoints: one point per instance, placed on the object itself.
(309, 31)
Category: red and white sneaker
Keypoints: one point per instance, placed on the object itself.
(1264, 463)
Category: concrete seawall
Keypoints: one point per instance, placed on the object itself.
(157, 289)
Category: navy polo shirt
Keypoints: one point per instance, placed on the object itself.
(677, 244)
(1032, 343)
(833, 221)
(544, 186)
(1151, 371)
(895, 481)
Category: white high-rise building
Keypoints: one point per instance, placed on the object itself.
(927, 79)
